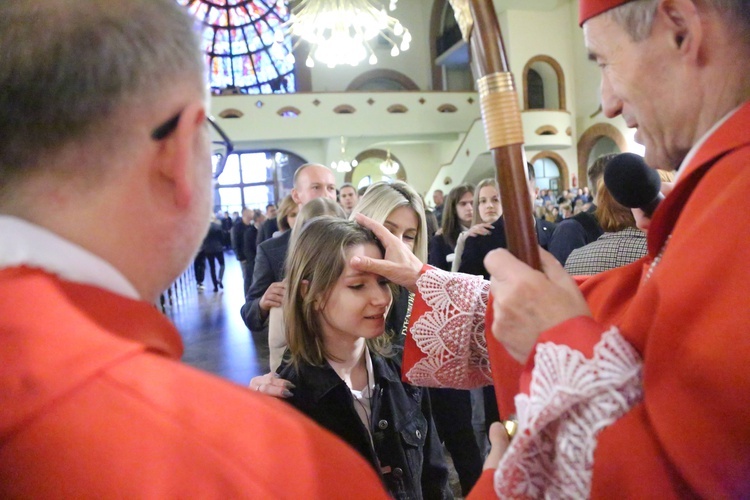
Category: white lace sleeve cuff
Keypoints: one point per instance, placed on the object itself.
(571, 399)
(450, 333)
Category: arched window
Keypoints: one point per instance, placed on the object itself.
(551, 171)
(547, 175)
(369, 171)
(245, 45)
(536, 90)
(595, 141)
(603, 145)
(544, 84)
(381, 79)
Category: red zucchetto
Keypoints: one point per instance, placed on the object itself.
(592, 8)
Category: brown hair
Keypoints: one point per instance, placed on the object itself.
(451, 225)
(611, 215)
(316, 207)
(286, 208)
(319, 252)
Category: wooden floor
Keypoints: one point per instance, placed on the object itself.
(216, 340)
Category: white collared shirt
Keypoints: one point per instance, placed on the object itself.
(694, 150)
(24, 243)
(363, 398)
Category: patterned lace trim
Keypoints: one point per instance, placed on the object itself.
(571, 400)
(451, 332)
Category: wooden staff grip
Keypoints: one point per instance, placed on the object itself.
(502, 121)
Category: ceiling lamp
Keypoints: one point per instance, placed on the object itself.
(389, 167)
(340, 31)
(343, 165)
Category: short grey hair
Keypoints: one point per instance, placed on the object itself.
(69, 67)
(637, 17)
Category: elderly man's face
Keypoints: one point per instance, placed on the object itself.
(648, 83)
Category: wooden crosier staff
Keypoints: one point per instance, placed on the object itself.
(504, 132)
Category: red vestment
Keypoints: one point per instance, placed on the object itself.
(94, 403)
(677, 344)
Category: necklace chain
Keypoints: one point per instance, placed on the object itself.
(656, 260)
(366, 393)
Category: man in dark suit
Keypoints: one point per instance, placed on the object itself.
(238, 239)
(267, 290)
(269, 226)
(250, 248)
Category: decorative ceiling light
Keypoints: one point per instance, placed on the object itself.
(343, 165)
(389, 167)
(340, 31)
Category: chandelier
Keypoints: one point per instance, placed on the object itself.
(389, 167)
(343, 165)
(341, 31)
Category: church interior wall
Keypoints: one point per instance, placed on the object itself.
(427, 153)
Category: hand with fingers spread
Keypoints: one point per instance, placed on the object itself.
(399, 265)
(272, 385)
(527, 302)
(273, 296)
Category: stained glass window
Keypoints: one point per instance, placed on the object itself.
(245, 45)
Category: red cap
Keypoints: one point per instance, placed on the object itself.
(592, 8)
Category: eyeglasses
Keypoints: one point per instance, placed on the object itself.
(165, 129)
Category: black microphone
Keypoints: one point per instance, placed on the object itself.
(633, 183)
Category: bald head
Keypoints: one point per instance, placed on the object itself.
(311, 181)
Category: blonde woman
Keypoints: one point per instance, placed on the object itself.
(487, 209)
(401, 210)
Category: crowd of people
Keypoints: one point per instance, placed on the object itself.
(472, 225)
(554, 208)
(629, 383)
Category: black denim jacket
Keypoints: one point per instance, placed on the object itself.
(407, 452)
